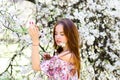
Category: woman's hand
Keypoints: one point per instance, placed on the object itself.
(34, 33)
(46, 56)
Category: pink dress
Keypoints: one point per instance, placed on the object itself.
(57, 69)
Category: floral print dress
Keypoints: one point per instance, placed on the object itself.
(58, 69)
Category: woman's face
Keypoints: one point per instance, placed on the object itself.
(59, 35)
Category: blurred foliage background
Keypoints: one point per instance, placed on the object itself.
(98, 23)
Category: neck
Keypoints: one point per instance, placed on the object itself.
(65, 48)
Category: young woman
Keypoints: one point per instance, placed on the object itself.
(65, 64)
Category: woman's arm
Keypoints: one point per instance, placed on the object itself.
(35, 58)
(34, 34)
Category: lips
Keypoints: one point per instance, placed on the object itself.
(58, 42)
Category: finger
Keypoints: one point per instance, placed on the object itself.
(32, 27)
(44, 56)
(32, 24)
(37, 28)
(32, 31)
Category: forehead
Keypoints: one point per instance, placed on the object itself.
(59, 28)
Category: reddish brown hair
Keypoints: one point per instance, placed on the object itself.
(71, 32)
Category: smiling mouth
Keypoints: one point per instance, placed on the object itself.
(59, 43)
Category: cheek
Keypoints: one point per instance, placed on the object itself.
(64, 39)
(56, 39)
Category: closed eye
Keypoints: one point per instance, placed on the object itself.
(62, 34)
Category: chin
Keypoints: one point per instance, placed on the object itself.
(58, 44)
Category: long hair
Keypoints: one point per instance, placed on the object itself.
(71, 32)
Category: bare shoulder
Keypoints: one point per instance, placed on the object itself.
(67, 57)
